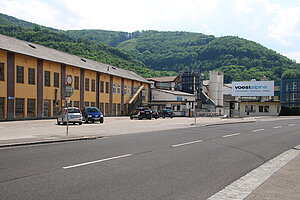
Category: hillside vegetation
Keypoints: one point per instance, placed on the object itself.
(83, 47)
(155, 53)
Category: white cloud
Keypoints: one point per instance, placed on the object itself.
(286, 25)
(293, 55)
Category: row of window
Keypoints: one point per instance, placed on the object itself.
(32, 74)
(292, 86)
(31, 107)
(252, 109)
(104, 86)
(292, 97)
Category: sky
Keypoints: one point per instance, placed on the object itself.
(273, 23)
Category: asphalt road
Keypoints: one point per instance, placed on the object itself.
(190, 163)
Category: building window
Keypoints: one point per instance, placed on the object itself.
(125, 90)
(47, 78)
(31, 108)
(19, 108)
(93, 104)
(114, 88)
(294, 84)
(93, 85)
(31, 76)
(129, 91)
(55, 107)
(56, 79)
(76, 82)
(87, 84)
(119, 89)
(2, 106)
(249, 108)
(119, 109)
(86, 104)
(114, 109)
(76, 104)
(106, 108)
(1, 71)
(20, 74)
(101, 107)
(294, 97)
(47, 108)
(101, 86)
(106, 87)
(264, 109)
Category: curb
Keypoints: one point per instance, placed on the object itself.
(50, 141)
(218, 124)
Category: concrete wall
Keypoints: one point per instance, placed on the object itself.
(274, 109)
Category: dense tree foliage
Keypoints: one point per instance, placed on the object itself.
(166, 52)
(78, 46)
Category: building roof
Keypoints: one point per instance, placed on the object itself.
(45, 53)
(163, 79)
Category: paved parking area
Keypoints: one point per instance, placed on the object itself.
(112, 126)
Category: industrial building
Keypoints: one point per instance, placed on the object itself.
(32, 82)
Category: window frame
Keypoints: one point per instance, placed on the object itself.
(20, 74)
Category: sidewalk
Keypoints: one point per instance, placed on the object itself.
(283, 185)
(14, 133)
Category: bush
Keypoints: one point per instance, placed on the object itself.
(286, 111)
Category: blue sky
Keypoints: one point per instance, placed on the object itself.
(273, 23)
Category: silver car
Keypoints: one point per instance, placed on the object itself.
(74, 116)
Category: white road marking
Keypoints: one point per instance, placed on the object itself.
(292, 124)
(244, 186)
(277, 126)
(258, 130)
(97, 161)
(224, 136)
(186, 143)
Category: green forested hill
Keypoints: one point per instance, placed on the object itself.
(140, 51)
(238, 58)
(83, 47)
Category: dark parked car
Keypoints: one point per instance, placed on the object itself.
(92, 114)
(155, 114)
(141, 113)
(167, 113)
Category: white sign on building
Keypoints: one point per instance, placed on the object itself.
(253, 88)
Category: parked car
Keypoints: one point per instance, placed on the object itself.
(92, 114)
(141, 113)
(155, 114)
(167, 113)
(74, 116)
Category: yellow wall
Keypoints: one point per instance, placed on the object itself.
(3, 84)
(104, 97)
(117, 96)
(74, 71)
(90, 96)
(25, 90)
(49, 92)
(127, 82)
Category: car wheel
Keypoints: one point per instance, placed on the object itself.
(164, 117)
(80, 123)
(93, 121)
(101, 121)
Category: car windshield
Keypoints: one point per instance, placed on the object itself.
(73, 110)
(167, 110)
(92, 110)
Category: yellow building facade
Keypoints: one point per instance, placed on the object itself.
(32, 82)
